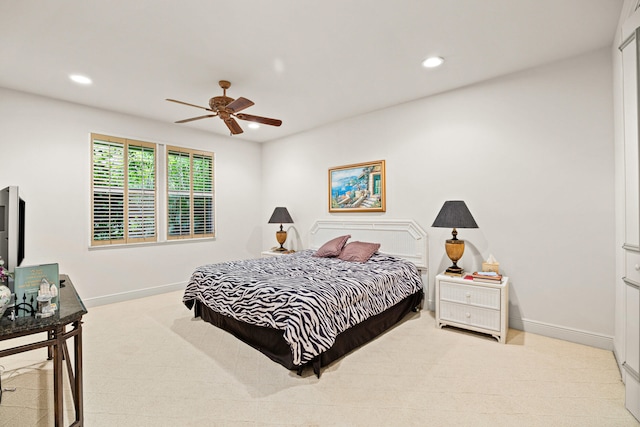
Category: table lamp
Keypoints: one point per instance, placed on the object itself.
(454, 214)
(280, 216)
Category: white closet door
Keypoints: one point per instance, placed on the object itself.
(631, 283)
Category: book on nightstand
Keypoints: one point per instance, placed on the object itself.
(485, 277)
(452, 274)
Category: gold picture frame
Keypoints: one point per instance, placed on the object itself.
(358, 187)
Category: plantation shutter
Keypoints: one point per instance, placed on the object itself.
(190, 207)
(202, 195)
(142, 193)
(108, 192)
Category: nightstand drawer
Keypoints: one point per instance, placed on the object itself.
(632, 265)
(470, 294)
(470, 315)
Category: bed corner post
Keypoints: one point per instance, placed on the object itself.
(316, 366)
(196, 309)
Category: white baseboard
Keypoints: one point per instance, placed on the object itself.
(431, 304)
(138, 293)
(568, 334)
(578, 336)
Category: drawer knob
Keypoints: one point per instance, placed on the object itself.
(637, 267)
(468, 315)
(469, 293)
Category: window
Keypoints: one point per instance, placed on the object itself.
(190, 205)
(126, 204)
(123, 191)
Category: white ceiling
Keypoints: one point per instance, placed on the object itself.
(306, 62)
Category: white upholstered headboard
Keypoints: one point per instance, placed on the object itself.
(401, 238)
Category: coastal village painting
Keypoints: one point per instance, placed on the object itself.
(357, 188)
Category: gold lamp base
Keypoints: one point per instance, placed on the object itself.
(281, 237)
(455, 249)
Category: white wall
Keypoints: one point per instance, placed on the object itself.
(45, 150)
(531, 154)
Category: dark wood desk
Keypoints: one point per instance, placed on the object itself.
(55, 327)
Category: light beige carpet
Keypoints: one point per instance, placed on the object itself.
(149, 363)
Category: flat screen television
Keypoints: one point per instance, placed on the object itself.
(12, 209)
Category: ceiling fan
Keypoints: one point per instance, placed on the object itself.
(228, 110)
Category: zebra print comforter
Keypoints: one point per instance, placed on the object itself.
(311, 299)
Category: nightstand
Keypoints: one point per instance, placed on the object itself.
(480, 307)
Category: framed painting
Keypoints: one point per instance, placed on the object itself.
(357, 188)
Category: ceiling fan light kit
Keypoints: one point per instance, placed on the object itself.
(228, 109)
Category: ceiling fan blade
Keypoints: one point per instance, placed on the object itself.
(258, 119)
(233, 126)
(191, 105)
(239, 104)
(196, 118)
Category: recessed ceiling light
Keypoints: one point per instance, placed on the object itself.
(80, 79)
(432, 62)
(254, 126)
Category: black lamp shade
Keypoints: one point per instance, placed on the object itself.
(455, 214)
(280, 216)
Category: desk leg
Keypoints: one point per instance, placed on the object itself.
(50, 336)
(75, 372)
(77, 349)
(57, 377)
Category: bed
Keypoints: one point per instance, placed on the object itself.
(303, 310)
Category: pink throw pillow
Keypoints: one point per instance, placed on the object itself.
(358, 251)
(333, 247)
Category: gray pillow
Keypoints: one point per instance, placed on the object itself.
(333, 247)
(358, 251)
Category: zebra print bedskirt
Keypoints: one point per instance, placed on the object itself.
(310, 299)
